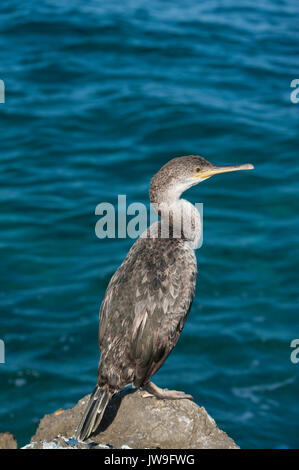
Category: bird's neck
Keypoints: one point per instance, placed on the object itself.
(178, 216)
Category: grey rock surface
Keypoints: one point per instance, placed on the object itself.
(8, 441)
(134, 421)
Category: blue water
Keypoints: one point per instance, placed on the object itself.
(98, 96)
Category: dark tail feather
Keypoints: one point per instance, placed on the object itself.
(94, 413)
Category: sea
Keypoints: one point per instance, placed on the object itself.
(95, 97)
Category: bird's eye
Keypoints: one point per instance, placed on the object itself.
(196, 170)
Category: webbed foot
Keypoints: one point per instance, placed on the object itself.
(163, 393)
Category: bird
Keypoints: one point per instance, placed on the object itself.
(149, 297)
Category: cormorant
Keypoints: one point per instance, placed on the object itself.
(149, 297)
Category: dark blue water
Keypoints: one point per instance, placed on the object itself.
(98, 96)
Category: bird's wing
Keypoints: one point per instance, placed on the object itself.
(146, 305)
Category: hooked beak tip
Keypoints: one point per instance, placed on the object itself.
(224, 169)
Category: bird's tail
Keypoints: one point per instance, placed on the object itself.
(94, 412)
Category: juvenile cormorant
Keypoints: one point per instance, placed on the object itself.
(149, 297)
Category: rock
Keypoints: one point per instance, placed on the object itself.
(133, 421)
(8, 441)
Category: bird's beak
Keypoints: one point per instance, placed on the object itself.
(222, 169)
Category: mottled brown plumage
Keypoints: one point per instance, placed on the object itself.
(154, 287)
(150, 295)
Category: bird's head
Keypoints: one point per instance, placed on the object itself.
(179, 174)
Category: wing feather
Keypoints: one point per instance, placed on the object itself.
(144, 310)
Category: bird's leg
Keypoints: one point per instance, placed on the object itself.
(163, 393)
